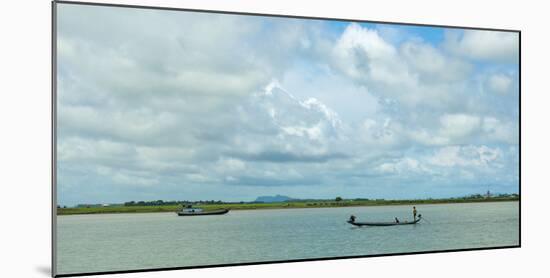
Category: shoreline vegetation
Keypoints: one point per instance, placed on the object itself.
(173, 206)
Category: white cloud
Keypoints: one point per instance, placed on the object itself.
(132, 180)
(356, 37)
(484, 45)
(313, 133)
(500, 83)
(497, 130)
(432, 65)
(229, 165)
(361, 53)
(450, 129)
(315, 104)
(381, 133)
(352, 101)
(428, 138)
(414, 73)
(286, 122)
(456, 126)
(465, 156)
(404, 165)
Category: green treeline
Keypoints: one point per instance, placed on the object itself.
(172, 206)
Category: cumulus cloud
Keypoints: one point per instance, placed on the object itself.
(431, 65)
(500, 83)
(499, 131)
(452, 156)
(458, 125)
(404, 165)
(415, 73)
(502, 47)
(362, 53)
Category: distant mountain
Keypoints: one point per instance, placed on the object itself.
(273, 199)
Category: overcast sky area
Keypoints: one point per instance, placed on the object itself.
(178, 105)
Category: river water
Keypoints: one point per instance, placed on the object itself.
(111, 242)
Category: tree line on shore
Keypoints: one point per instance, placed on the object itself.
(337, 199)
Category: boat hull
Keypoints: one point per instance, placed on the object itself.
(379, 224)
(203, 213)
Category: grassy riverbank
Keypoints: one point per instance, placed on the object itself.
(280, 205)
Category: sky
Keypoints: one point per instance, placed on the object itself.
(173, 105)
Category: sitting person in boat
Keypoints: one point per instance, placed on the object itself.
(352, 218)
(396, 220)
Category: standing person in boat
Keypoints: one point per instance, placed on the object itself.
(414, 213)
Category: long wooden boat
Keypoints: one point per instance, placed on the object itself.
(198, 212)
(384, 223)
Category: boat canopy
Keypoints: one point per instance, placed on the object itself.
(191, 210)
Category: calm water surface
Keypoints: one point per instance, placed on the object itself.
(110, 242)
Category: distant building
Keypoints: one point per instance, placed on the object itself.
(105, 205)
(488, 195)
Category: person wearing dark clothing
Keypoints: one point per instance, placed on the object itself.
(396, 220)
(414, 213)
(352, 218)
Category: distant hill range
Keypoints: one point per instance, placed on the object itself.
(273, 199)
